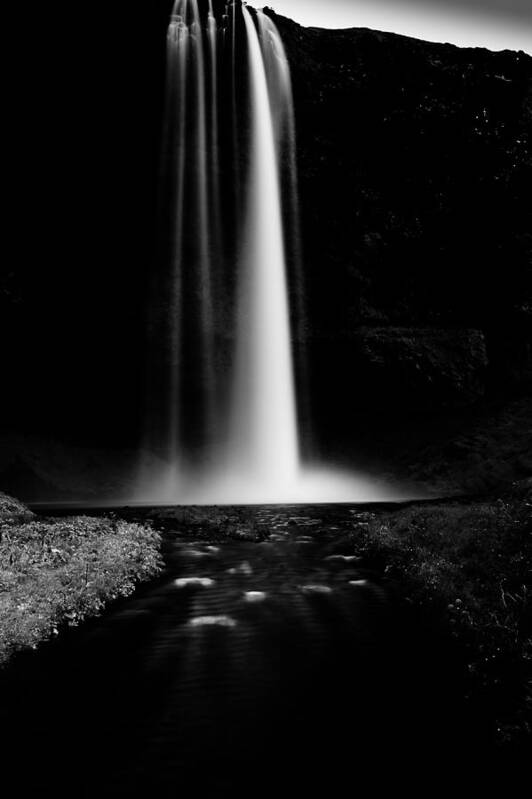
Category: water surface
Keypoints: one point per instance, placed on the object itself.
(270, 656)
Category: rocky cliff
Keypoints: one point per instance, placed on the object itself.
(415, 166)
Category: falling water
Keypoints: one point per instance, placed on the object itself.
(188, 230)
(282, 108)
(230, 426)
(176, 95)
(204, 222)
(264, 441)
(216, 232)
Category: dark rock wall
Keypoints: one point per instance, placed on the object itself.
(420, 367)
(415, 173)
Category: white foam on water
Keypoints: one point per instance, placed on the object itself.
(212, 621)
(255, 596)
(343, 558)
(202, 582)
(315, 588)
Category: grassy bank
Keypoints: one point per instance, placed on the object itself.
(59, 571)
(471, 563)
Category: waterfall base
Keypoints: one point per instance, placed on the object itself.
(310, 485)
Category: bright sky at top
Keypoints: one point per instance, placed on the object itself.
(495, 24)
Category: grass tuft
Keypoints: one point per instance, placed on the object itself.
(472, 563)
(59, 571)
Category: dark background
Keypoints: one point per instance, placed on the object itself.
(86, 92)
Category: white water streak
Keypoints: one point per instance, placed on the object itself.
(204, 228)
(282, 104)
(212, 32)
(177, 54)
(264, 440)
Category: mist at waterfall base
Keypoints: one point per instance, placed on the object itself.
(227, 378)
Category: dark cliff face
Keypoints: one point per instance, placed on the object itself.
(415, 173)
(415, 167)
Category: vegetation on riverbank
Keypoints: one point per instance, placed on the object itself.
(57, 571)
(472, 563)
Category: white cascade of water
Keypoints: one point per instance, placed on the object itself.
(214, 186)
(204, 222)
(250, 443)
(263, 432)
(282, 106)
(177, 45)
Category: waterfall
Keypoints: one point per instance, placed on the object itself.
(223, 415)
(176, 95)
(282, 108)
(187, 236)
(263, 440)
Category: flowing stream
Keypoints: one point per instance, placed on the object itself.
(270, 656)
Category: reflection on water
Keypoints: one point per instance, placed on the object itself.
(277, 659)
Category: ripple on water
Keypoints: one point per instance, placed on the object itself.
(242, 568)
(315, 588)
(195, 553)
(343, 558)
